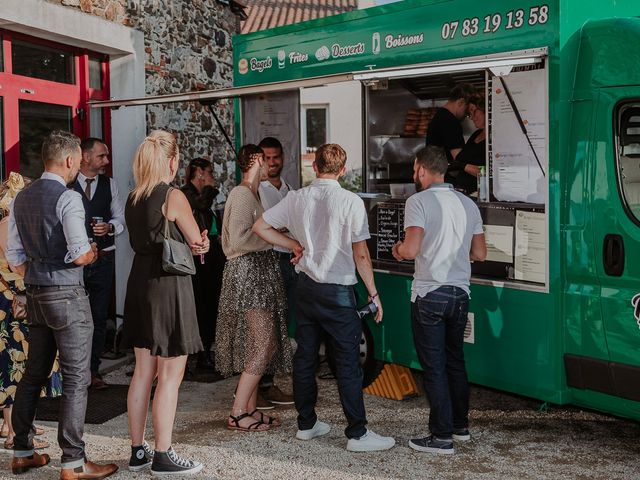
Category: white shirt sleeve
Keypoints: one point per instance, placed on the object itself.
(278, 215)
(117, 209)
(414, 213)
(70, 212)
(477, 222)
(360, 222)
(15, 253)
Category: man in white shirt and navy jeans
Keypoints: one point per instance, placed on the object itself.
(443, 232)
(331, 224)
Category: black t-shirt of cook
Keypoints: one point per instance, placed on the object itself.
(445, 131)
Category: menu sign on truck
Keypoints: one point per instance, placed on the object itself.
(390, 218)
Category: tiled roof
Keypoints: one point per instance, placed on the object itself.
(275, 13)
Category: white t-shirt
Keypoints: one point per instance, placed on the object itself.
(326, 219)
(450, 220)
(270, 196)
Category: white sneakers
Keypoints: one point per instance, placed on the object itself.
(370, 442)
(319, 429)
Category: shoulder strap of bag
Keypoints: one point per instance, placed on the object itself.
(166, 209)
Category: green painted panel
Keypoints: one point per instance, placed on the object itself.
(408, 33)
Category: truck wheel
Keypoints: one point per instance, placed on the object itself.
(371, 367)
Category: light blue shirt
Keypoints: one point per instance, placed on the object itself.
(69, 211)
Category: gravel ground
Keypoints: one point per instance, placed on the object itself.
(511, 438)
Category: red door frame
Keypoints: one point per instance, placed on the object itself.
(14, 88)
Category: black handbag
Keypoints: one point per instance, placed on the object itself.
(177, 257)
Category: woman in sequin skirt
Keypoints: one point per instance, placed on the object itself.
(251, 334)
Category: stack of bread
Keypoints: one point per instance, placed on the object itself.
(417, 121)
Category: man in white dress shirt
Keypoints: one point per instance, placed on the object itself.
(331, 224)
(104, 219)
(272, 191)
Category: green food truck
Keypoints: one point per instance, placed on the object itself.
(552, 313)
(555, 311)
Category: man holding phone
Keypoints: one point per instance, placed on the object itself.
(104, 219)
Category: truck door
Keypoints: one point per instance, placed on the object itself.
(616, 220)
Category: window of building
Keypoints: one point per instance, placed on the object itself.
(47, 86)
(628, 156)
(315, 127)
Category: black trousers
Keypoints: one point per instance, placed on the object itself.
(207, 284)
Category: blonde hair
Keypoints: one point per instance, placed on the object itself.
(10, 189)
(151, 162)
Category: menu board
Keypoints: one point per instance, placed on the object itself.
(390, 220)
(516, 174)
(531, 259)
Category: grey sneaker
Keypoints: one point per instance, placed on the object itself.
(461, 435)
(318, 430)
(141, 457)
(370, 442)
(170, 463)
(432, 444)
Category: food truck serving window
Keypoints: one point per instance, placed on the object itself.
(515, 159)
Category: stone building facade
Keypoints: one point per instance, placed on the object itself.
(187, 47)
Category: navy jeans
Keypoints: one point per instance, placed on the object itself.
(59, 320)
(438, 320)
(330, 309)
(98, 279)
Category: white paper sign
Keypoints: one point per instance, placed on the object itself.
(499, 240)
(531, 259)
(517, 177)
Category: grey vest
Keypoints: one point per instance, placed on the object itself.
(42, 236)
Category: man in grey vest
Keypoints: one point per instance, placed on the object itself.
(104, 219)
(48, 245)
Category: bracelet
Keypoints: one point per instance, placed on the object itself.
(373, 296)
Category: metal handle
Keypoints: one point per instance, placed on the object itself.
(613, 255)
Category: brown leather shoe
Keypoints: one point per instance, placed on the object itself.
(22, 464)
(88, 470)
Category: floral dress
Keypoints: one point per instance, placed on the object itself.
(13, 344)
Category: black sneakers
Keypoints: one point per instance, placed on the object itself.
(141, 457)
(169, 463)
(432, 444)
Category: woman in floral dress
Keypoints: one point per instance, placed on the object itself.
(13, 332)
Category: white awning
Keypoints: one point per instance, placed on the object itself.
(499, 63)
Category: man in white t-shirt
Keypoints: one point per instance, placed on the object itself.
(331, 224)
(272, 191)
(443, 233)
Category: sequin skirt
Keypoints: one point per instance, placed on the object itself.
(251, 332)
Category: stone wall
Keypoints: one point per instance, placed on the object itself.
(187, 48)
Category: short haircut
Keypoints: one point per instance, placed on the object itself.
(271, 142)
(196, 163)
(462, 90)
(88, 143)
(330, 158)
(479, 101)
(58, 145)
(247, 156)
(433, 159)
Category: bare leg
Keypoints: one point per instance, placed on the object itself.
(246, 391)
(170, 372)
(6, 415)
(139, 393)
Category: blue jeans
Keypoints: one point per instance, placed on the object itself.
(438, 320)
(98, 279)
(331, 309)
(59, 320)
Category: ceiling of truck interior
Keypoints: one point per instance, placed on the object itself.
(439, 86)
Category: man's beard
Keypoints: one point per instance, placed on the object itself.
(274, 174)
(418, 185)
